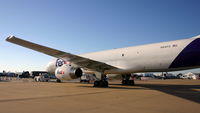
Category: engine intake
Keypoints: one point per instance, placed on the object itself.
(67, 72)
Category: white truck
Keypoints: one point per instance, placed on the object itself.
(87, 78)
(42, 78)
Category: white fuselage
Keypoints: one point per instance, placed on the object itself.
(146, 58)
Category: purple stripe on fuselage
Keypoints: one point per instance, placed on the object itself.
(189, 56)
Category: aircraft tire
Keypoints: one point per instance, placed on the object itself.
(58, 80)
(96, 83)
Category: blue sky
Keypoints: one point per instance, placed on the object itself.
(82, 26)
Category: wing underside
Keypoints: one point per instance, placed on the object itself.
(79, 61)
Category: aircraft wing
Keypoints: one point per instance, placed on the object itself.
(75, 59)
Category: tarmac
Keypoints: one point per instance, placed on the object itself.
(153, 96)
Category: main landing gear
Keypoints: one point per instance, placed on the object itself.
(101, 83)
(128, 80)
(58, 80)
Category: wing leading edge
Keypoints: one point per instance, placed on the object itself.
(75, 59)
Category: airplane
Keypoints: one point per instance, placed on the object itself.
(159, 57)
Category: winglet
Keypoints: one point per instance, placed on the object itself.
(10, 37)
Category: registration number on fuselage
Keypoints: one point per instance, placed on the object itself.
(169, 46)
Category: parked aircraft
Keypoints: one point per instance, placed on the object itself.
(158, 57)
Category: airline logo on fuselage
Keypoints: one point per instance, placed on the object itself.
(60, 62)
(60, 72)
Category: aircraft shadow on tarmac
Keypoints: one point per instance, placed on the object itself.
(183, 91)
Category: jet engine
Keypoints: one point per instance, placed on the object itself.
(68, 72)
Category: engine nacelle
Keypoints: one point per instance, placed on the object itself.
(67, 72)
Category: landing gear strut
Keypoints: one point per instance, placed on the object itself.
(101, 83)
(128, 80)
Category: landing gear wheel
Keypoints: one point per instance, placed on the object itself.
(58, 80)
(101, 83)
(131, 82)
(105, 83)
(128, 82)
(124, 82)
(96, 84)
